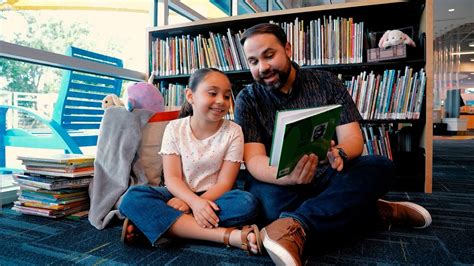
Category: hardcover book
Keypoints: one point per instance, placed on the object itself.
(302, 131)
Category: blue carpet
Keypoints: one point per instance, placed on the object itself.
(449, 240)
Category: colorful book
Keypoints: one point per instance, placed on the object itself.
(47, 212)
(302, 131)
(50, 205)
(61, 170)
(50, 183)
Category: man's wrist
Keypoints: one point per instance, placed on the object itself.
(342, 154)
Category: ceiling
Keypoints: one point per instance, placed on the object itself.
(457, 26)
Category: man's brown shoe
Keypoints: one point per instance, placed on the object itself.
(284, 241)
(403, 213)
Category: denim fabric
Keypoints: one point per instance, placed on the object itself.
(146, 207)
(335, 201)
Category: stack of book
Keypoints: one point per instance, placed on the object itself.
(54, 186)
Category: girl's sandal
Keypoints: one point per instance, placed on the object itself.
(131, 238)
(245, 231)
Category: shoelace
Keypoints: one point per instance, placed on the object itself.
(297, 234)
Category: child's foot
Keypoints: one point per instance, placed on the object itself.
(130, 234)
(248, 238)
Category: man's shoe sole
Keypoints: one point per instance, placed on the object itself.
(426, 215)
(279, 255)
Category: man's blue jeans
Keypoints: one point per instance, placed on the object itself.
(334, 202)
(146, 207)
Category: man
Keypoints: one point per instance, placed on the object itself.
(317, 198)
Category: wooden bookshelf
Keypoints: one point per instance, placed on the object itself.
(377, 15)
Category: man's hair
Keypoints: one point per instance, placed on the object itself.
(265, 28)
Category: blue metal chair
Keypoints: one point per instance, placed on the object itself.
(77, 113)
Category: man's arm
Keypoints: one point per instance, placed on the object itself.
(257, 163)
(349, 137)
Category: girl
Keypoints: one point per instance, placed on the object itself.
(201, 154)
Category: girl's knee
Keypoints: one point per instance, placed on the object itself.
(244, 201)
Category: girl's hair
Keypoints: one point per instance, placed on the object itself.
(194, 80)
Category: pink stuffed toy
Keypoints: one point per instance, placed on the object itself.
(395, 37)
(143, 95)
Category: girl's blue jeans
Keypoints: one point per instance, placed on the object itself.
(146, 207)
(333, 202)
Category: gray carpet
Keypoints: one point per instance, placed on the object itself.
(450, 239)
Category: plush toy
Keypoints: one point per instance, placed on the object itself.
(111, 100)
(395, 37)
(143, 95)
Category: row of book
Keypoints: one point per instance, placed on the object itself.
(183, 55)
(393, 95)
(54, 186)
(324, 41)
(173, 94)
(376, 140)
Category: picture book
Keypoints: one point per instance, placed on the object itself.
(302, 131)
(50, 205)
(67, 166)
(50, 174)
(48, 183)
(47, 212)
(60, 170)
(59, 158)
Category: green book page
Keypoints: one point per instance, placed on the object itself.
(309, 135)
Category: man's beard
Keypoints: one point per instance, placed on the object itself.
(281, 80)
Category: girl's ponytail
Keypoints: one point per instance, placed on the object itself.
(186, 110)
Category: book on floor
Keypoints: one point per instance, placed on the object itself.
(302, 131)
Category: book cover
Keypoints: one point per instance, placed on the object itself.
(302, 131)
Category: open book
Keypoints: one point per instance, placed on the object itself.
(302, 131)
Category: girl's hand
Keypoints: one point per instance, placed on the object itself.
(179, 205)
(204, 212)
(334, 159)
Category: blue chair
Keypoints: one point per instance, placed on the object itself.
(77, 113)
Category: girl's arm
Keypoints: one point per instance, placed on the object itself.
(225, 181)
(203, 209)
(174, 179)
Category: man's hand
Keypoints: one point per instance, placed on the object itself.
(304, 171)
(179, 205)
(204, 212)
(334, 159)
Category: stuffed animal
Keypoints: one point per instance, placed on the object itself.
(395, 37)
(143, 95)
(111, 100)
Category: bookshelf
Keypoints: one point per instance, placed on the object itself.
(377, 16)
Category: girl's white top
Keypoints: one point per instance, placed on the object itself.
(202, 159)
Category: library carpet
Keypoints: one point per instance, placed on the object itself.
(449, 240)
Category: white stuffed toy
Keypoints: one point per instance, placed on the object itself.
(111, 100)
(395, 37)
